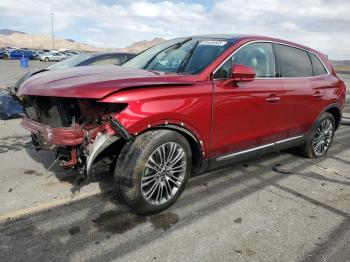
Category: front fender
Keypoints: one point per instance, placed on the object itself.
(185, 107)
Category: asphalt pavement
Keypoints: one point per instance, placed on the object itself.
(279, 207)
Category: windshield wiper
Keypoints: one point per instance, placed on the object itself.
(169, 48)
(187, 58)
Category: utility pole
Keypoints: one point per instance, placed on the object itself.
(53, 36)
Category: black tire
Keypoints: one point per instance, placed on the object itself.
(6, 57)
(46, 59)
(131, 167)
(308, 149)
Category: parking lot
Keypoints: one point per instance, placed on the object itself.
(276, 208)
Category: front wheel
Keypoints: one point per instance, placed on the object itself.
(152, 171)
(46, 59)
(320, 138)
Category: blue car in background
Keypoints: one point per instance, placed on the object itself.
(17, 54)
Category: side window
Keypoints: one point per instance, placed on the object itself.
(293, 62)
(258, 56)
(121, 59)
(224, 71)
(317, 66)
(106, 60)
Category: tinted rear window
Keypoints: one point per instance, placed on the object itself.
(293, 62)
(317, 66)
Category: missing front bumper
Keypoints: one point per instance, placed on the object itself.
(74, 147)
(65, 136)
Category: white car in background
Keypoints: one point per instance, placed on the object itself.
(52, 56)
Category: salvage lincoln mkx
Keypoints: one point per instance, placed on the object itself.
(186, 105)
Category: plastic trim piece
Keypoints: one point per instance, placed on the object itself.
(119, 129)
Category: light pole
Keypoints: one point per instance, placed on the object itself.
(53, 36)
(78, 41)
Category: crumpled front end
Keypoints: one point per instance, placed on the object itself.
(77, 130)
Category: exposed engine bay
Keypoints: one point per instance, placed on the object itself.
(77, 130)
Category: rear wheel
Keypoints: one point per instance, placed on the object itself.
(320, 138)
(152, 171)
(6, 57)
(46, 59)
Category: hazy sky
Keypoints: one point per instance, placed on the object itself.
(321, 24)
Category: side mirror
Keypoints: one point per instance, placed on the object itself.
(241, 73)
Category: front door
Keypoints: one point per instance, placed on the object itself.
(247, 115)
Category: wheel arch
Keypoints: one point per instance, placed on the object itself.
(335, 111)
(113, 150)
(192, 139)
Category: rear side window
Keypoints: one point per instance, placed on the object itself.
(317, 66)
(105, 60)
(293, 62)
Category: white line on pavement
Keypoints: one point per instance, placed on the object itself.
(44, 206)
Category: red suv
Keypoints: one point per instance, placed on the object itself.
(186, 105)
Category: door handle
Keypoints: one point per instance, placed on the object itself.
(318, 94)
(273, 99)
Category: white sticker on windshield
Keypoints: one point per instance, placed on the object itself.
(211, 42)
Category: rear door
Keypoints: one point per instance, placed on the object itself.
(247, 115)
(304, 92)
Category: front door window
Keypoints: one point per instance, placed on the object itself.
(258, 56)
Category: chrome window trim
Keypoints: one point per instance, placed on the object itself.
(224, 157)
(271, 42)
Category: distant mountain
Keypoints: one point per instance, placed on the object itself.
(337, 63)
(38, 41)
(139, 46)
(9, 32)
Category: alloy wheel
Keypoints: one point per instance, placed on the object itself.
(164, 173)
(323, 137)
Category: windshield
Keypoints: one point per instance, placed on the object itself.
(181, 55)
(70, 62)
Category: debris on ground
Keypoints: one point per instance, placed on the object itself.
(9, 107)
(238, 220)
(278, 169)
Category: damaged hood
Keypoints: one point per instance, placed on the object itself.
(96, 81)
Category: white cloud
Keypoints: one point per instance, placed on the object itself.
(321, 24)
(290, 26)
(94, 29)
